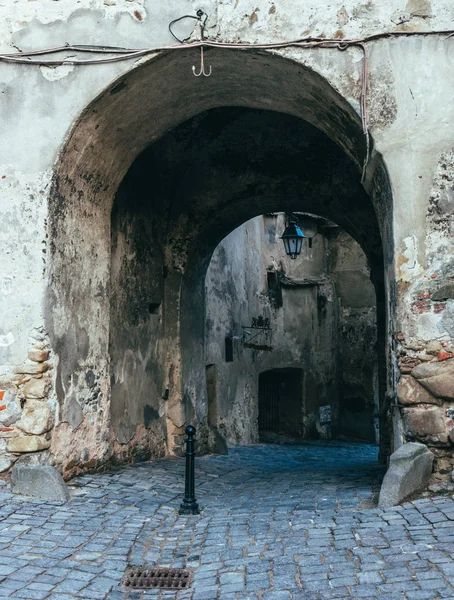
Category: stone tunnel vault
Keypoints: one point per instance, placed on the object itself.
(159, 169)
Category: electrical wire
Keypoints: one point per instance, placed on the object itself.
(199, 16)
(123, 54)
(130, 53)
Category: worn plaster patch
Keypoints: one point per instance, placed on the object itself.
(381, 98)
(409, 266)
(441, 204)
(7, 340)
(419, 8)
(6, 286)
(447, 322)
(427, 326)
(56, 73)
(342, 17)
(400, 17)
(27, 11)
(72, 412)
(440, 212)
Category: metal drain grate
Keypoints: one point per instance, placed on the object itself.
(141, 578)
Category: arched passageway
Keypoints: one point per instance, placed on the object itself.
(312, 371)
(137, 212)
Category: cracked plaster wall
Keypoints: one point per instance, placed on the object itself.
(323, 322)
(304, 324)
(411, 116)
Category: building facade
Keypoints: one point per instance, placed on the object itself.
(311, 372)
(121, 175)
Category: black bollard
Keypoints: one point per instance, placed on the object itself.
(189, 505)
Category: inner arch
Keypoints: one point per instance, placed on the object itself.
(159, 143)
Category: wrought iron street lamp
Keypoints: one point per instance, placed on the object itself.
(293, 238)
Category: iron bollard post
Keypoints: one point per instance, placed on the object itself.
(189, 505)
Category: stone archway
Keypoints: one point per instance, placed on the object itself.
(321, 314)
(87, 253)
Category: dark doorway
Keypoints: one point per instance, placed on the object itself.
(281, 403)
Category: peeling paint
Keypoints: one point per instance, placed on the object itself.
(410, 267)
(49, 11)
(381, 98)
(7, 340)
(40, 106)
(56, 73)
(6, 286)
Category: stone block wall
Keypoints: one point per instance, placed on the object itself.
(27, 411)
(425, 397)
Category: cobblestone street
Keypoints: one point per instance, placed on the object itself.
(279, 522)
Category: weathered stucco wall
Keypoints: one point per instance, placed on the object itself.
(70, 133)
(323, 320)
(136, 346)
(350, 272)
(234, 284)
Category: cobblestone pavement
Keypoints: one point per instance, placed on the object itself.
(279, 523)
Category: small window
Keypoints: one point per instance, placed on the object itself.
(274, 288)
(273, 282)
(153, 308)
(211, 381)
(309, 242)
(228, 349)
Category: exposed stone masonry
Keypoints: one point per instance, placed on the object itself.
(27, 414)
(425, 394)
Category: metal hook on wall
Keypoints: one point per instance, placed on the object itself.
(202, 66)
